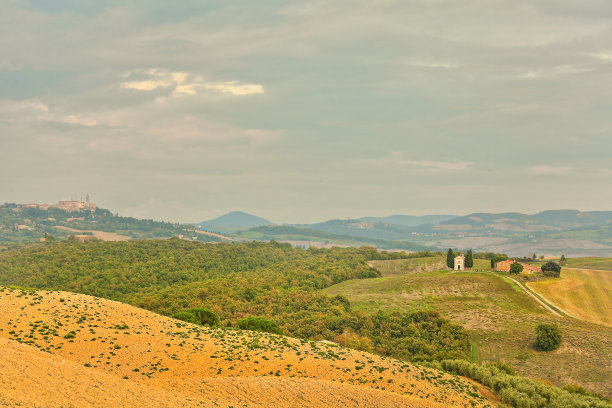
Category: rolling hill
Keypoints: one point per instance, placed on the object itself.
(500, 318)
(62, 349)
(582, 293)
(355, 334)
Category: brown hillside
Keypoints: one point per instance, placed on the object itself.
(97, 352)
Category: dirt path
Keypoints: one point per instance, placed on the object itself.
(537, 299)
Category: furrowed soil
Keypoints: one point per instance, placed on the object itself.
(500, 318)
(59, 349)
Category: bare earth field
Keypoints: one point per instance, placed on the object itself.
(64, 350)
(101, 235)
(500, 318)
(583, 293)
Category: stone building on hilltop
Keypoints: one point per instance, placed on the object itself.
(459, 263)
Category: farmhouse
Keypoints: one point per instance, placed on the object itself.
(504, 266)
(459, 263)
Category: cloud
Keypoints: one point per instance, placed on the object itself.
(27, 105)
(453, 88)
(603, 55)
(6, 66)
(437, 165)
(34, 110)
(550, 170)
(184, 83)
(555, 71)
(234, 88)
(430, 63)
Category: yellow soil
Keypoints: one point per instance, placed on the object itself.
(124, 356)
(582, 293)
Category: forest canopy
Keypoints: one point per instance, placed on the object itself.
(235, 282)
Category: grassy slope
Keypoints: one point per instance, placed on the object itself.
(583, 293)
(195, 366)
(590, 263)
(501, 320)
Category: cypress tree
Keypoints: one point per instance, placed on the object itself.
(450, 258)
(469, 259)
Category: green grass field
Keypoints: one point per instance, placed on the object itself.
(501, 320)
(401, 266)
(432, 263)
(583, 293)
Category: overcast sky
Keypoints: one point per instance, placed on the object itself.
(302, 111)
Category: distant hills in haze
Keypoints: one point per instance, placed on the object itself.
(409, 220)
(234, 221)
(554, 232)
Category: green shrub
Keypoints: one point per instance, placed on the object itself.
(259, 324)
(205, 316)
(186, 317)
(70, 335)
(548, 337)
(551, 269)
(506, 368)
(516, 268)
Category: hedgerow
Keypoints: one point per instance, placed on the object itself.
(521, 392)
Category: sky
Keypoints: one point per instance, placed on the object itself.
(302, 111)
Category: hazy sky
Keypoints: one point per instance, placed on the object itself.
(301, 111)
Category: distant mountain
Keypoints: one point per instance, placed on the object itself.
(234, 221)
(408, 220)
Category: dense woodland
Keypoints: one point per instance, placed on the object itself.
(235, 281)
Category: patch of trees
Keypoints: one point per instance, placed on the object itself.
(259, 324)
(223, 284)
(450, 258)
(198, 315)
(520, 392)
(548, 337)
(489, 255)
(469, 259)
(497, 258)
(551, 269)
